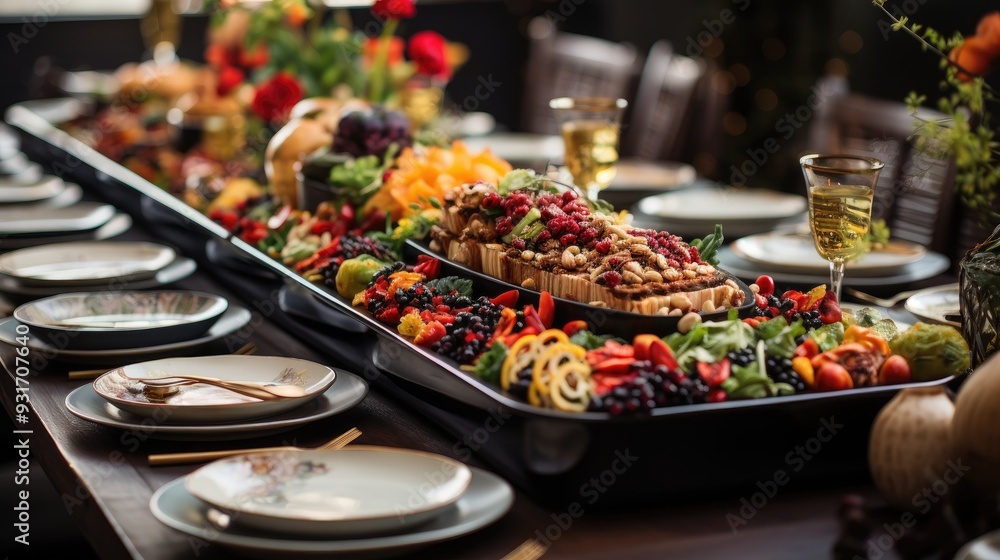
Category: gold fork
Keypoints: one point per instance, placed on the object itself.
(162, 459)
(530, 549)
(247, 349)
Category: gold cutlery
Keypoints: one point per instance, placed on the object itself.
(262, 390)
(247, 349)
(162, 459)
(530, 549)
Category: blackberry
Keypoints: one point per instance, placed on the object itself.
(780, 371)
(652, 387)
(467, 337)
(810, 319)
(743, 356)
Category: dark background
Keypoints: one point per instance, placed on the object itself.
(775, 50)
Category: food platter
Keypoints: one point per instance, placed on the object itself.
(549, 451)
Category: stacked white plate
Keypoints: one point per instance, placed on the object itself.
(125, 397)
(87, 266)
(359, 500)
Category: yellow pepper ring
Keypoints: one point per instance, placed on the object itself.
(548, 362)
(506, 375)
(552, 335)
(570, 387)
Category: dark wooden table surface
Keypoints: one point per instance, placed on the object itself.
(106, 484)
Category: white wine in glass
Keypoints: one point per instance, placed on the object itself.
(590, 129)
(841, 190)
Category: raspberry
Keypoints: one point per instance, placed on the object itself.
(587, 235)
(518, 243)
(603, 246)
(569, 196)
(543, 236)
(611, 278)
(567, 240)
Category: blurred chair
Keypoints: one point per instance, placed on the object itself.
(915, 192)
(662, 114)
(567, 65)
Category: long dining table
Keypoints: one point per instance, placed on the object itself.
(104, 480)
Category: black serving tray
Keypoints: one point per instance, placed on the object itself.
(679, 452)
(623, 323)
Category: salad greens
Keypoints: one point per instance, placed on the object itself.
(829, 336)
(489, 364)
(592, 341)
(362, 177)
(445, 285)
(780, 336)
(752, 382)
(710, 342)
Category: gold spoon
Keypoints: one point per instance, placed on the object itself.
(268, 390)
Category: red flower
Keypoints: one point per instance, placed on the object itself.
(394, 9)
(395, 50)
(254, 58)
(218, 56)
(276, 97)
(230, 77)
(427, 50)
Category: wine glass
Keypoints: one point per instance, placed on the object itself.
(841, 189)
(590, 127)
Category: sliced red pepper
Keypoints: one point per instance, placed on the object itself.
(428, 266)
(613, 366)
(546, 309)
(324, 253)
(430, 333)
(661, 354)
(574, 327)
(752, 321)
(506, 299)
(531, 318)
(510, 339)
(715, 373)
(716, 395)
(809, 349)
(642, 343)
(506, 324)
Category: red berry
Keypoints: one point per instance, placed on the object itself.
(504, 225)
(587, 235)
(569, 196)
(492, 200)
(518, 243)
(543, 236)
(603, 246)
(716, 395)
(572, 227)
(761, 301)
(611, 278)
(567, 240)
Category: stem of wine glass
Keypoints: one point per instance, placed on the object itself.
(836, 277)
(593, 191)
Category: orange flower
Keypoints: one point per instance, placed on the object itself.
(296, 14)
(974, 56)
(395, 51)
(989, 31)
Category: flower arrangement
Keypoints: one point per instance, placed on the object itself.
(966, 134)
(286, 52)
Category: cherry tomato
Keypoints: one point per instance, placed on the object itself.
(766, 285)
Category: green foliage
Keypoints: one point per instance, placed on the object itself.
(966, 133)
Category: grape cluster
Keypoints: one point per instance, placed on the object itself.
(363, 133)
(780, 370)
(651, 387)
(810, 319)
(469, 334)
(352, 246)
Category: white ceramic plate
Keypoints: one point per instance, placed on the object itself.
(206, 404)
(933, 304)
(928, 267)
(722, 204)
(85, 262)
(48, 187)
(797, 254)
(986, 547)
(487, 499)
(343, 395)
(122, 318)
(70, 194)
(173, 272)
(84, 216)
(351, 492)
(234, 319)
(651, 176)
(116, 226)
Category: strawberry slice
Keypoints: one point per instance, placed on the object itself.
(546, 309)
(642, 344)
(715, 373)
(661, 355)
